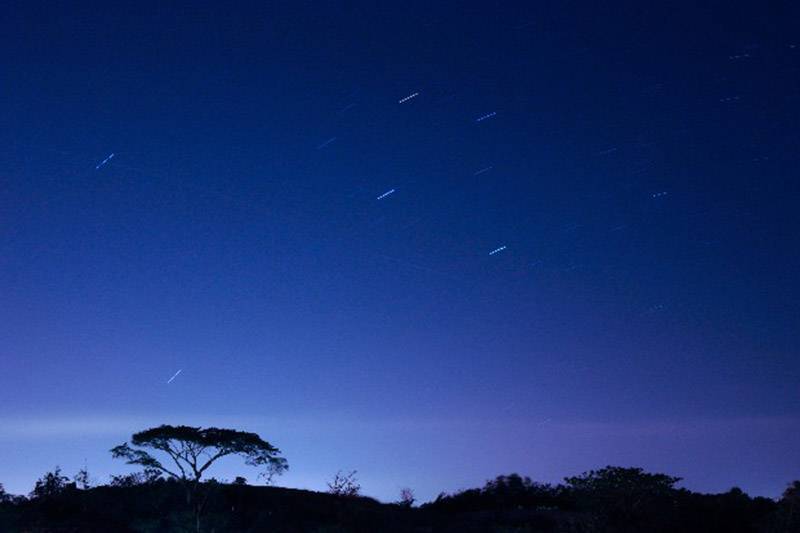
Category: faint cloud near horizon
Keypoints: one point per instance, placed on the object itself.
(100, 425)
(75, 426)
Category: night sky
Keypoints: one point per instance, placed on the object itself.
(589, 256)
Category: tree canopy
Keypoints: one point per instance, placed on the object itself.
(193, 450)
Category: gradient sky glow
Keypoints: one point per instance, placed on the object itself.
(236, 235)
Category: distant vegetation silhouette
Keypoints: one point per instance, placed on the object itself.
(344, 484)
(175, 495)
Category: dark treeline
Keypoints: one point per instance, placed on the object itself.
(612, 499)
(170, 493)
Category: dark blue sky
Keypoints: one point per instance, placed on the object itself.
(641, 170)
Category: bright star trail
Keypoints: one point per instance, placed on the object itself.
(497, 250)
(106, 160)
(407, 98)
(384, 195)
(484, 117)
(174, 376)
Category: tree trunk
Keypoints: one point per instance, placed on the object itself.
(194, 505)
(198, 509)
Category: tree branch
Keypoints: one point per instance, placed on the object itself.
(174, 455)
(223, 452)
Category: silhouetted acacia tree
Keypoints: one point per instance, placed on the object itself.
(50, 484)
(193, 450)
(4, 496)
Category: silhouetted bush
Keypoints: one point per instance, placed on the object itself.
(50, 484)
(344, 484)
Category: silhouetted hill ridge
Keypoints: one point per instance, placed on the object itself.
(505, 505)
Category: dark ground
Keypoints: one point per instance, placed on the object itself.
(508, 504)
